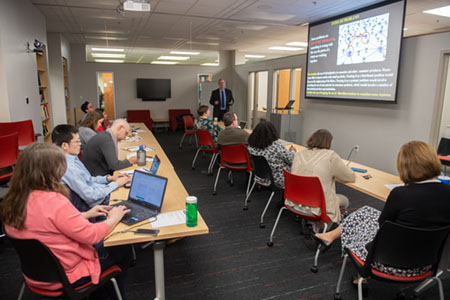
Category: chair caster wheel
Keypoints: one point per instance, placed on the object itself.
(314, 269)
(262, 225)
(269, 244)
(245, 207)
(337, 296)
(193, 168)
(214, 193)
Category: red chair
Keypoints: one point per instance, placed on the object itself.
(402, 247)
(8, 154)
(306, 191)
(140, 116)
(40, 264)
(206, 144)
(23, 128)
(234, 158)
(188, 129)
(173, 114)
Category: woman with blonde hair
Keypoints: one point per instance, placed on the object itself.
(36, 207)
(423, 202)
(89, 127)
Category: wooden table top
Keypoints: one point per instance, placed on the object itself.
(174, 198)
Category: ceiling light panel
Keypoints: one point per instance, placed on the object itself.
(184, 52)
(161, 62)
(441, 11)
(283, 48)
(108, 55)
(174, 57)
(254, 56)
(108, 49)
(109, 61)
(298, 44)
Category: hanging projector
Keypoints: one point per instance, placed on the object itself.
(136, 5)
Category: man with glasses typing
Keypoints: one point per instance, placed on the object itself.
(91, 190)
(101, 154)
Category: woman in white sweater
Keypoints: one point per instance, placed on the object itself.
(318, 160)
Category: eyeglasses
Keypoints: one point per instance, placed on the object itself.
(75, 142)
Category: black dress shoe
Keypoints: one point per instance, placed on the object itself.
(326, 244)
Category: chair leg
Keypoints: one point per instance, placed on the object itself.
(337, 295)
(195, 158)
(217, 178)
(441, 290)
(314, 268)
(213, 161)
(22, 290)
(249, 181)
(261, 224)
(270, 243)
(248, 195)
(360, 289)
(426, 284)
(181, 142)
(116, 288)
(196, 140)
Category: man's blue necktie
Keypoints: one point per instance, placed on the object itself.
(223, 100)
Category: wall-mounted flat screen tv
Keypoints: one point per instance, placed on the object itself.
(355, 56)
(151, 89)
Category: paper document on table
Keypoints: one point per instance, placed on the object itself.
(169, 219)
(392, 186)
(136, 148)
(131, 172)
(140, 130)
(284, 143)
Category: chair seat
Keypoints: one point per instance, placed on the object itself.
(304, 213)
(380, 274)
(237, 167)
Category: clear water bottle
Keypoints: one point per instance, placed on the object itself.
(191, 211)
(141, 156)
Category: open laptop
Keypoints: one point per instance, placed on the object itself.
(242, 124)
(288, 106)
(145, 198)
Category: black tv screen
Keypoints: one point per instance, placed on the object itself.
(150, 89)
(355, 56)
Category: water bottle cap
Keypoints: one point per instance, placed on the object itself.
(141, 147)
(191, 199)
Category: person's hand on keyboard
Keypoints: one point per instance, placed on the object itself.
(97, 211)
(116, 214)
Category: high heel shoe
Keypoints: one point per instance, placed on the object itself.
(326, 244)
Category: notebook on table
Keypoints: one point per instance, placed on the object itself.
(145, 198)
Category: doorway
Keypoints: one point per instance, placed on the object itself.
(258, 88)
(287, 87)
(105, 93)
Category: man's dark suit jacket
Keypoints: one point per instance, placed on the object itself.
(215, 96)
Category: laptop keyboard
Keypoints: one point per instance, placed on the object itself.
(137, 211)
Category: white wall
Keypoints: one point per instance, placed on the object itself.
(444, 130)
(20, 22)
(56, 78)
(183, 82)
(379, 129)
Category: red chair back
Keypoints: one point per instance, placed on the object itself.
(140, 116)
(236, 155)
(205, 141)
(173, 114)
(8, 153)
(188, 124)
(307, 191)
(24, 129)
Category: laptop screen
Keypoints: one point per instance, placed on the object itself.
(155, 165)
(148, 189)
(289, 105)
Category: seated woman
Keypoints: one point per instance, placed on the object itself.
(264, 142)
(36, 207)
(423, 202)
(105, 124)
(89, 127)
(318, 160)
(205, 123)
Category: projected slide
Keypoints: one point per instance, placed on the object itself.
(356, 56)
(363, 41)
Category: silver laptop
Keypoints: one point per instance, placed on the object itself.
(145, 198)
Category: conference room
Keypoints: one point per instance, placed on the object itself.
(155, 62)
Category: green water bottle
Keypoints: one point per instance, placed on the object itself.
(191, 211)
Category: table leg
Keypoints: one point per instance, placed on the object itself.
(158, 254)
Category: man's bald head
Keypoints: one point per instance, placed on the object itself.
(120, 128)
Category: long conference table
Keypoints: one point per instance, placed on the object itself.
(174, 200)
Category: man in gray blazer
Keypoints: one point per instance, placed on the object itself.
(101, 154)
(232, 134)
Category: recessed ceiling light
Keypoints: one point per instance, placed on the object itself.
(174, 57)
(283, 48)
(108, 49)
(202, 43)
(111, 38)
(162, 62)
(210, 64)
(184, 52)
(109, 60)
(108, 55)
(254, 56)
(299, 44)
(440, 11)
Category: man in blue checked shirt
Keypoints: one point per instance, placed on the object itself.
(222, 99)
(86, 190)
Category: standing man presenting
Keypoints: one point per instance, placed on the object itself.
(222, 99)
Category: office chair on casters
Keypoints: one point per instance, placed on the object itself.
(262, 170)
(206, 145)
(188, 129)
(24, 129)
(306, 191)
(402, 247)
(40, 264)
(234, 158)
